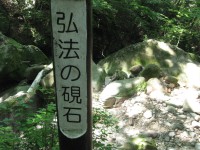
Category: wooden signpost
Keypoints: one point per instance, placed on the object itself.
(71, 27)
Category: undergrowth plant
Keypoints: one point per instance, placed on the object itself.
(38, 131)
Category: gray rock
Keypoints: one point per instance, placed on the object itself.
(190, 75)
(172, 60)
(195, 124)
(167, 139)
(195, 116)
(182, 116)
(155, 89)
(192, 105)
(178, 124)
(148, 114)
(16, 58)
(135, 70)
(171, 109)
(98, 77)
(110, 102)
(154, 84)
(172, 134)
(197, 146)
(176, 102)
(122, 88)
(135, 110)
(187, 148)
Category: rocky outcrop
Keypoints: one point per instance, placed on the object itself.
(171, 60)
(16, 58)
(168, 110)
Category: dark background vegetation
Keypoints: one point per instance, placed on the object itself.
(116, 23)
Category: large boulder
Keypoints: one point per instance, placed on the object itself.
(16, 58)
(172, 61)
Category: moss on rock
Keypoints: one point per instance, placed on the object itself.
(15, 58)
(151, 71)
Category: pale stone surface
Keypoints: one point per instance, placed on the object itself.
(197, 146)
(135, 110)
(176, 102)
(122, 88)
(172, 134)
(98, 77)
(154, 84)
(195, 124)
(190, 75)
(48, 80)
(148, 114)
(192, 105)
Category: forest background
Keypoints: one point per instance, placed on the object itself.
(116, 23)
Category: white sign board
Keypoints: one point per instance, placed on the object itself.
(69, 27)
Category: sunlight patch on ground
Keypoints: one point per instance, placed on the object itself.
(166, 48)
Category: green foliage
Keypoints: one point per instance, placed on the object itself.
(37, 132)
(8, 138)
(23, 129)
(46, 94)
(27, 21)
(120, 23)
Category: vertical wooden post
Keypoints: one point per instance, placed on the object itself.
(72, 44)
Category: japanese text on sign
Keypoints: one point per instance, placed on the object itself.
(70, 52)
